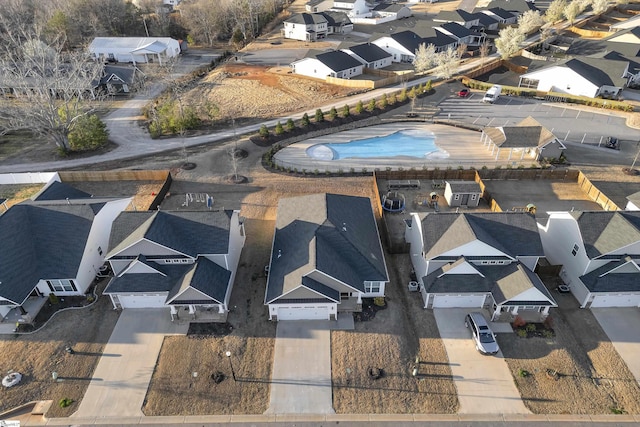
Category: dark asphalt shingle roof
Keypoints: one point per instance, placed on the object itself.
(389, 7)
(598, 71)
(515, 6)
(338, 60)
(456, 29)
(625, 279)
(457, 15)
(528, 133)
(41, 242)
(334, 234)
(408, 39)
(369, 52)
(504, 282)
(205, 276)
(514, 233)
(484, 19)
(502, 13)
(307, 19)
(162, 281)
(61, 191)
(335, 18)
(605, 231)
(190, 232)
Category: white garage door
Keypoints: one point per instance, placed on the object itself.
(442, 301)
(320, 312)
(628, 300)
(142, 301)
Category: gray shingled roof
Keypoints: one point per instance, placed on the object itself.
(514, 233)
(338, 60)
(603, 232)
(369, 52)
(163, 281)
(334, 234)
(307, 19)
(205, 276)
(61, 191)
(41, 242)
(528, 133)
(598, 71)
(515, 6)
(335, 18)
(464, 187)
(504, 282)
(456, 29)
(457, 15)
(625, 279)
(389, 7)
(190, 232)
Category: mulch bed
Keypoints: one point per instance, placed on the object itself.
(202, 330)
(369, 310)
(531, 330)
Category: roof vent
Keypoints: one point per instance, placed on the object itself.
(279, 253)
(344, 226)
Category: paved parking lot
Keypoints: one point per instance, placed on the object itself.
(484, 383)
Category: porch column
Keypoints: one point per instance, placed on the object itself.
(496, 313)
(174, 312)
(359, 298)
(192, 310)
(221, 309)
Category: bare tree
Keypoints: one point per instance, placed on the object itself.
(461, 50)
(447, 63)
(555, 11)
(529, 21)
(206, 23)
(508, 42)
(571, 11)
(599, 6)
(51, 89)
(485, 47)
(425, 57)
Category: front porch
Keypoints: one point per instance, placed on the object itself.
(198, 313)
(352, 304)
(527, 315)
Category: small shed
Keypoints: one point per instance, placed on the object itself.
(462, 193)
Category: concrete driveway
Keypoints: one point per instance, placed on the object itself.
(484, 383)
(301, 375)
(122, 376)
(621, 326)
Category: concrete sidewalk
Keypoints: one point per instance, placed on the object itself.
(621, 326)
(120, 381)
(301, 374)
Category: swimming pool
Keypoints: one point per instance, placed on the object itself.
(416, 143)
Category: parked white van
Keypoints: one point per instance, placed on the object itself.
(492, 94)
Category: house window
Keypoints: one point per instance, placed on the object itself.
(473, 196)
(99, 250)
(372, 287)
(456, 197)
(575, 249)
(63, 285)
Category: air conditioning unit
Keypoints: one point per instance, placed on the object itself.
(413, 286)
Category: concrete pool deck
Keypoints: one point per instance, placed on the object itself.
(462, 145)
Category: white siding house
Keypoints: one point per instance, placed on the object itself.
(134, 49)
(599, 253)
(306, 27)
(401, 45)
(329, 64)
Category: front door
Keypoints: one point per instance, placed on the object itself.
(465, 200)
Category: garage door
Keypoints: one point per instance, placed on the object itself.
(303, 313)
(628, 300)
(442, 301)
(142, 301)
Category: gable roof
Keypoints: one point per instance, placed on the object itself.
(484, 19)
(515, 6)
(407, 39)
(333, 234)
(464, 187)
(369, 52)
(338, 60)
(459, 31)
(205, 276)
(504, 282)
(306, 19)
(190, 232)
(514, 233)
(527, 133)
(603, 279)
(131, 43)
(41, 242)
(598, 71)
(502, 13)
(389, 7)
(61, 191)
(163, 279)
(605, 231)
(458, 15)
(335, 18)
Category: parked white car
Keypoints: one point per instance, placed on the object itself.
(482, 335)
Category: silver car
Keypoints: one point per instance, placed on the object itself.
(481, 333)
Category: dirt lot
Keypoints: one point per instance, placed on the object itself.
(391, 341)
(591, 379)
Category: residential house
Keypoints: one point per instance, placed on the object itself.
(516, 7)
(487, 23)
(353, 8)
(585, 76)
(528, 137)
(306, 27)
(402, 45)
(502, 16)
(326, 256)
(134, 49)
(426, 30)
(337, 22)
(183, 260)
(599, 253)
(53, 247)
(462, 193)
(328, 64)
(479, 260)
(459, 16)
(117, 79)
(370, 55)
(314, 6)
(461, 34)
(393, 11)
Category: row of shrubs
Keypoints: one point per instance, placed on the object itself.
(573, 99)
(374, 104)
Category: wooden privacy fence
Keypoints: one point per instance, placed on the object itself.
(595, 194)
(126, 175)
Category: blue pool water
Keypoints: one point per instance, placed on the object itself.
(407, 143)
